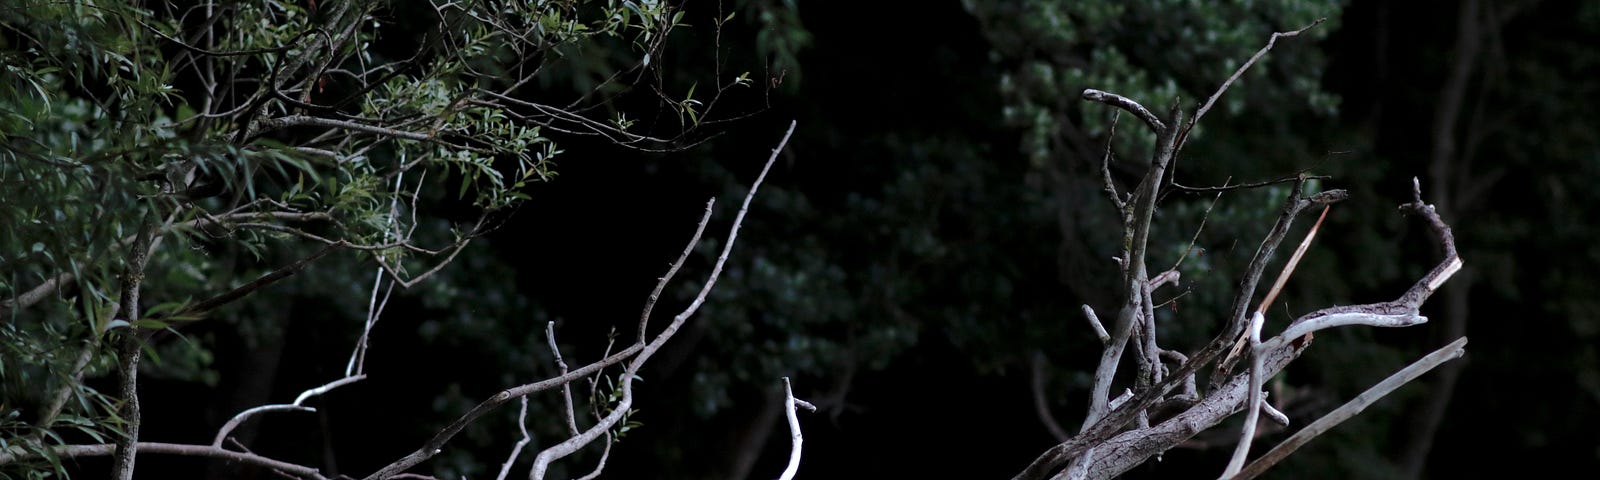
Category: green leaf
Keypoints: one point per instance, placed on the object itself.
(149, 323)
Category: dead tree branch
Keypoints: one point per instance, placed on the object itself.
(1350, 409)
(796, 439)
(1103, 448)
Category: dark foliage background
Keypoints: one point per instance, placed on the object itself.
(937, 221)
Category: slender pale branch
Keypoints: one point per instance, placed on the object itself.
(1253, 414)
(566, 389)
(1041, 403)
(1094, 322)
(1105, 172)
(795, 438)
(1246, 186)
(1294, 261)
(297, 406)
(522, 425)
(1277, 287)
(234, 422)
(298, 120)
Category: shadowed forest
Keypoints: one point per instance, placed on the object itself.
(915, 262)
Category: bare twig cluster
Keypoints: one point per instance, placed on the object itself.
(1165, 406)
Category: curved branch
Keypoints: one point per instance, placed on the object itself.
(1128, 104)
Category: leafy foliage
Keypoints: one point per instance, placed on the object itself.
(249, 139)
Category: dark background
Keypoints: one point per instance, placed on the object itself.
(902, 140)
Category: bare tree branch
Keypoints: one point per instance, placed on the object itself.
(1105, 173)
(32, 296)
(1149, 118)
(1094, 322)
(1253, 404)
(1350, 409)
(1109, 426)
(1117, 452)
(129, 349)
(1247, 186)
(522, 425)
(566, 389)
(297, 406)
(795, 437)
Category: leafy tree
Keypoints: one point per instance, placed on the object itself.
(164, 162)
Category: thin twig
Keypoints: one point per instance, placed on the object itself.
(1041, 405)
(1094, 322)
(566, 390)
(522, 424)
(1105, 172)
(298, 405)
(605, 454)
(1242, 68)
(1294, 261)
(1246, 186)
(1203, 219)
